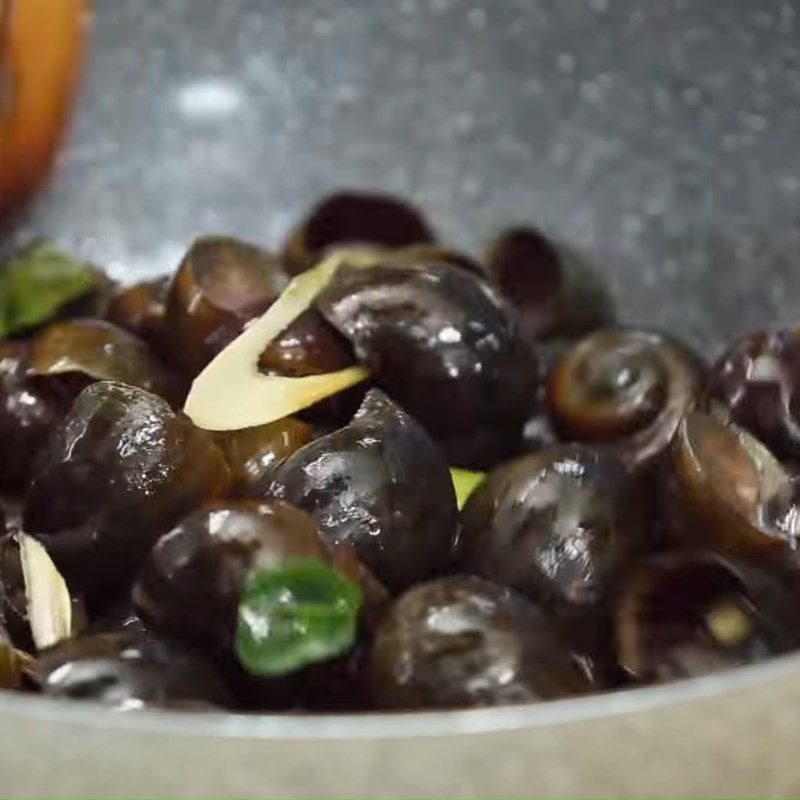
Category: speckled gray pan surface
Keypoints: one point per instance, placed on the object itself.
(661, 140)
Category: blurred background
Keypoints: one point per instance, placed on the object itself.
(659, 140)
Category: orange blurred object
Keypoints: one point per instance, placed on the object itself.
(41, 52)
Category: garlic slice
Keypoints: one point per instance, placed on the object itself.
(49, 604)
(230, 393)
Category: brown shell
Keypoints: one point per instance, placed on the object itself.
(353, 217)
(220, 285)
(626, 390)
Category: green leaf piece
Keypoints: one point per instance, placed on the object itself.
(36, 283)
(465, 483)
(298, 614)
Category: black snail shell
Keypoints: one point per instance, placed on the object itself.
(118, 472)
(689, 613)
(13, 603)
(190, 583)
(755, 384)
(221, 284)
(462, 641)
(311, 346)
(444, 344)
(252, 452)
(354, 218)
(28, 412)
(129, 671)
(625, 390)
(436, 254)
(561, 525)
(382, 485)
(141, 308)
(730, 494)
(554, 293)
(67, 356)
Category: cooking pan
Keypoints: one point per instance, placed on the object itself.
(659, 142)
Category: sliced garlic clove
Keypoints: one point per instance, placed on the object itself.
(231, 401)
(49, 603)
(230, 393)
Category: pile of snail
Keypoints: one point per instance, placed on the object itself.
(372, 472)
